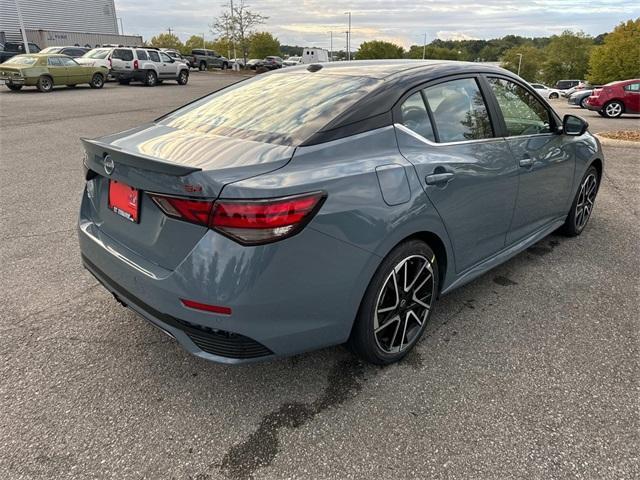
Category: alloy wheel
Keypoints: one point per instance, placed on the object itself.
(586, 200)
(403, 304)
(613, 109)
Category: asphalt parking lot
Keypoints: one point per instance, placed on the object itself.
(530, 372)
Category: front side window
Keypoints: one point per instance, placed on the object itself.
(523, 113)
(414, 116)
(153, 55)
(165, 57)
(459, 111)
(632, 87)
(68, 62)
(254, 109)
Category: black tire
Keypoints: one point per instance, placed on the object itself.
(45, 84)
(150, 78)
(613, 109)
(14, 88)
(202, 66)
(124, 82)
(583, 102)
(554, 95)
(379, 347)
(183, 77)
(225, 65)
(585, 199)
(97, 81)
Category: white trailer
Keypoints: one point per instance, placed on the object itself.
(314, 55)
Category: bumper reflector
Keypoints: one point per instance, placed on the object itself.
(205, 307)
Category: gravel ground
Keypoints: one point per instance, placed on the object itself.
(530, 372)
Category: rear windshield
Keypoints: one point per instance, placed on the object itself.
(21, 60)
(51, 50)
(98, 53)
(283, 109)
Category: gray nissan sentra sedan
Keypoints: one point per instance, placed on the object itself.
(329, 203)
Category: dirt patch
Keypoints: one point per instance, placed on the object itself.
(628, 135)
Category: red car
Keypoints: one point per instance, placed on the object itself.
(616, 98)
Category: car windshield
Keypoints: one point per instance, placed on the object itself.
(98, 53)
(51, 50)
(21, 60)
(284, 109)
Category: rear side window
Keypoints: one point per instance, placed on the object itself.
(459, 111)
(54, 62)
(415, 117)
(632, 87)
(245, 110)
(153, 55)
(523, 113)
(123, 54)
(142, 55)
(196, 52)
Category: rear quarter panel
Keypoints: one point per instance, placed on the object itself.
(355, 210)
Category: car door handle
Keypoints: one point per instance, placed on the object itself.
(439, 178)
(526, 162)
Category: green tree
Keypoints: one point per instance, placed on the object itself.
(532, 61)
(375, 49)
(262, 44)
(433, 52)
(167, 40)
(619, 57)
(194, 41)
(567, 56)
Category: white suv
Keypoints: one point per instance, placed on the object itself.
(146, 65)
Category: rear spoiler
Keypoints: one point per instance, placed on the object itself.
(96, 151)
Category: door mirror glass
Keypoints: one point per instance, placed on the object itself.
(573, 125)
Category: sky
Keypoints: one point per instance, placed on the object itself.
(308, 22)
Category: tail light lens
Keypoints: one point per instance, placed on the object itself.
(135, 64)
(249, 222)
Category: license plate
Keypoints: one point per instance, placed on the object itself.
(124, 200)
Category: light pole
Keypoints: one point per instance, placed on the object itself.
(235, 65)
(519, 62)
(121, 27)
(22, 30)
(424, 47)
(331, 46)
(349, 37)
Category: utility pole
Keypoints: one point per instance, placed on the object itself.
(170, 30)
(203, 44)
(235, 65)
(22, 30)
(519, 63)
(121, 27)
(424, 47)
(331, 46)
(349, 37)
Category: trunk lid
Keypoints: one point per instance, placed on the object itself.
(162, 159)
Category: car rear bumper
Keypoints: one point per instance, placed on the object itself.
(289, 297)
(137, 75)
(13, 80)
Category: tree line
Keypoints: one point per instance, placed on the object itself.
(570, 55)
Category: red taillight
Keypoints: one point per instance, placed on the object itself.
(206, 307)
(250, 222)
(135, 64)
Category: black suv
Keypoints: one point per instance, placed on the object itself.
(204, 59)
(11, 49)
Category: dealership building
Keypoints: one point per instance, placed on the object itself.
(49, 23)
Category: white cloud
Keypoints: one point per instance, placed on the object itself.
(451, 35)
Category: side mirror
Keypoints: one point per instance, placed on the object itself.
(573, 125)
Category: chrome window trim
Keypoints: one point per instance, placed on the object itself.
(417, 136)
